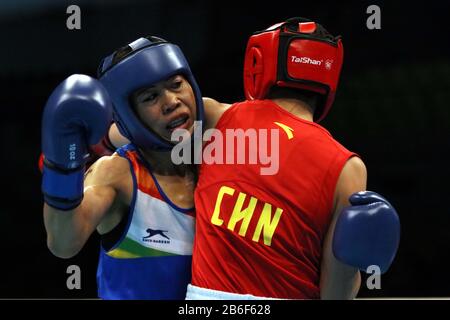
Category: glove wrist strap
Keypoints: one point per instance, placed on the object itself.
(62, 189)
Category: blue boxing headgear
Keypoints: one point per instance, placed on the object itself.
(147, 61)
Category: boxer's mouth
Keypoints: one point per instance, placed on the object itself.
(178, 123)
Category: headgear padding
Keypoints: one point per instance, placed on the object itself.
(149, 61)
(294, 54)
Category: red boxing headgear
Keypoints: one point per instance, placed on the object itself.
(297, 53)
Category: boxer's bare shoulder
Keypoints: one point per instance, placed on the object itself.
(108, 170)
(213, 111)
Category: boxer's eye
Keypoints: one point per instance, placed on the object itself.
(148, 97)
(176, 84)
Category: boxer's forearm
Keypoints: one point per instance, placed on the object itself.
(64, 232)
(339, 281)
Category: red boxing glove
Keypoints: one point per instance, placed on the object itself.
(101, 149)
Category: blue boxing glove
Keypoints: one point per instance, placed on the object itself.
(77, 114)
(367, 233)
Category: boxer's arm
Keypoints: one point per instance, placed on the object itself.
(338, 280)
(101, 207)
(213, 111)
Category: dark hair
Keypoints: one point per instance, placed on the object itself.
(121, 53)
(124, 52)
(313, 99)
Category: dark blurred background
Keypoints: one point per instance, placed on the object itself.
(391, 108)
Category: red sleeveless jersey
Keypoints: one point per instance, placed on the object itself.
(263, 234)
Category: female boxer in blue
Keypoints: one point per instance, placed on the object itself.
(137, 199)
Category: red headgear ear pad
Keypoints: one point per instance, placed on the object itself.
(255, 70)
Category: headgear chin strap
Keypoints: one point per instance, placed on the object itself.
(294, 54)
(149, 61)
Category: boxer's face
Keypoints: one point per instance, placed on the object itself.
(166, 106)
